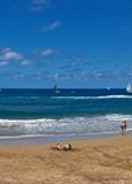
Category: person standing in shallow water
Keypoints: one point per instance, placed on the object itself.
(123, 127)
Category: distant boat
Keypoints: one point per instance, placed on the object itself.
(55, 88)
(129, 88)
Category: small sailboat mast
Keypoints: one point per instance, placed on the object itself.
(55, 88)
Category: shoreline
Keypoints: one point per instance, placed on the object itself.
(48, 139)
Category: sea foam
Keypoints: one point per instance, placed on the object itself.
(74, 125)
(94, 97)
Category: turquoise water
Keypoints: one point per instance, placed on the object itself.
(64, 112)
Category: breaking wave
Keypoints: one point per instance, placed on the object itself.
(93, 97)
(65, 126)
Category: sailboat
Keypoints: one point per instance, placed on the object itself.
(55, 88)
(129, 88)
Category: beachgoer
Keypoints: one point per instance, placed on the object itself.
(123, 127)
(61, 147)
(67, 147)
(58, 147)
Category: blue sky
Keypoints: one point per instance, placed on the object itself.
(83, 44)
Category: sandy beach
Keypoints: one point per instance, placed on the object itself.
(103, 161)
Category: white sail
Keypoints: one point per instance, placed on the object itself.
(129, 88)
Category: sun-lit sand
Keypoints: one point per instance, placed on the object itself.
(104, 161)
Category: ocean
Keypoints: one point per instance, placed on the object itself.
(63, 113)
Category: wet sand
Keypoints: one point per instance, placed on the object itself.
(97, 161)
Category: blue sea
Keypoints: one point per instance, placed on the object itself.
(63, 113)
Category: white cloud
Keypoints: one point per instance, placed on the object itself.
(7, 54)
(48, 52)
(12, 56)
(52, 26)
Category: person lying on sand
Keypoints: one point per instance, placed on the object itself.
(61, 147)
(67, 147)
